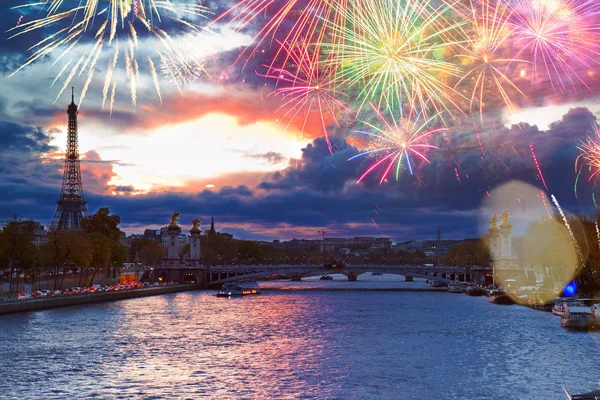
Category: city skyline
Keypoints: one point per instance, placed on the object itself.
(221, 146)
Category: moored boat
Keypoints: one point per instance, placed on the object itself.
(238, 289)
(476, 291)
(500, 297)
(561, 305)
(452, 288)
(577, 318)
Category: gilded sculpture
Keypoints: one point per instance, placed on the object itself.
(196, 224)
(494, 222)
(175, 218)
(504, 217)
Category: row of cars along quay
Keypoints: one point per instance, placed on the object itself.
(94, 294)
(91, 289)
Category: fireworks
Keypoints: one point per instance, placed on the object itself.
(305, 20)
(394, 53)
(537, 166)
(556, 36)
(590, 154)
(307, 87)
(182, 64)
(398, 141)
(109, 24)
(485, 56)
(568, 226)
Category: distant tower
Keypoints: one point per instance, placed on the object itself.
(439, 234)
(212, 231)
(71, 205)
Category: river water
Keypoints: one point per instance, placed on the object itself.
(295, 344)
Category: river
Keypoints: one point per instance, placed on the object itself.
(295, 344)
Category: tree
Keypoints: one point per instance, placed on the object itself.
(64, 249)
(152, 253)
(102, 229)
(17, 247)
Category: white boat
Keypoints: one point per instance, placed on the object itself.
(452, 288)
(238, 289)
(595, 316)
(561, 305)
(576, 318)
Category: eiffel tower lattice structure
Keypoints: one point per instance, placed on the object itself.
(72, 206)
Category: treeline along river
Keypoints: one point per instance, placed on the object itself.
(295, 344)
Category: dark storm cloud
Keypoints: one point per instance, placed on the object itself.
(319, 191)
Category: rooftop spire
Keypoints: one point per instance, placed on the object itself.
(72, 94)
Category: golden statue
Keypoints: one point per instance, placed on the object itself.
(494, 222)
(175, 218)
(504, 217)
(196, 224)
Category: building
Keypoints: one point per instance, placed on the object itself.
(333, 245)
(431, 248)
(295, 244)
(360, 243)
(213, 232)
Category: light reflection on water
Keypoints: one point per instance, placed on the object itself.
(295, 345)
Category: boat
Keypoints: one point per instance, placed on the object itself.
(476, 291)
(562, 303)
(595, 318)
(500, 297)
(577, 318)
(326, 278)
(452, 288)
(595, 395)
(436, 283)
(238, 289)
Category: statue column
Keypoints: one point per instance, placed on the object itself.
(494, 240)
(506, 237)
(173, 230)
(195, 243)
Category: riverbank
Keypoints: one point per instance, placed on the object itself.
(15, 306)
(351, 289)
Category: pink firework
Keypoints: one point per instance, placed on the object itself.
(558, 37)
(590, 154)
(397, 141)
(303, 19)
(307, 88)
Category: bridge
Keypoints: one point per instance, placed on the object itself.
(223, 274)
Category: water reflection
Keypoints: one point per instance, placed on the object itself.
(294, 344)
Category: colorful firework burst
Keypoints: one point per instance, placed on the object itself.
(590, 154)
(394, 52)
(111, 24)
(397, 142)
(483, 54)
(303, 19)
(307, 87)
(556, 36)
(183, 64)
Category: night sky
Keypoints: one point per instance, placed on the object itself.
(221, 145)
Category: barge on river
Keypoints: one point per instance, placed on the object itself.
(238, 289)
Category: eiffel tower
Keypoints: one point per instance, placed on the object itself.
(71, 205)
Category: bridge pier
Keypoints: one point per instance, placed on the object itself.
(296, 277)
(351, 277)
(409, 278)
